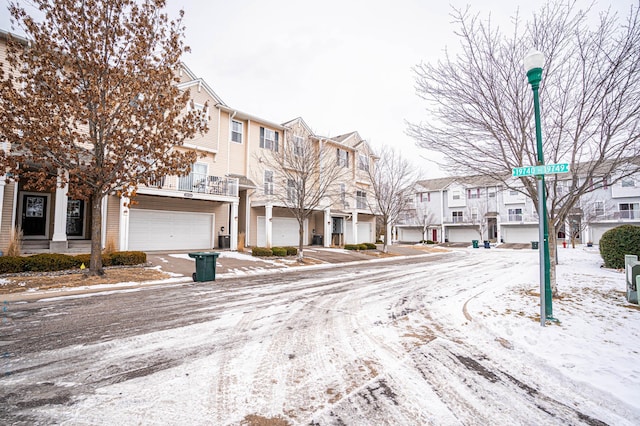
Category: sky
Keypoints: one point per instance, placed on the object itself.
(341, 65)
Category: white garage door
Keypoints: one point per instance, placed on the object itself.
(409, 235)
(284, 232)
(463, 235)
(519, 234)
(597, 232)
(170, 230)
(364, 233)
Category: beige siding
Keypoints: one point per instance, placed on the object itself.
(7, 213)
(113, 221)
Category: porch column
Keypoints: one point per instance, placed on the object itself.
(124, 224)
(59, 241)
(268, 216)
(354, 226)
(103, 231)
(233, 223)
(327, 227)
(498, 229)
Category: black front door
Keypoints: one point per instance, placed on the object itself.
(34, 215)
(75, 218)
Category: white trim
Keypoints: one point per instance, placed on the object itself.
(200, 148)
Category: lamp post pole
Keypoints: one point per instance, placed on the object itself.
(533, 63)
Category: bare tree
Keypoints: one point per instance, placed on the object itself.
(424, 218)
(308, 172)
(92, 101)
(477, 215)
(392, 179)
(481, 110)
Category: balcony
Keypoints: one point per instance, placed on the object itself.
(198, 184)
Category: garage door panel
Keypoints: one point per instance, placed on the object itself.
(519, 234)
(463, 235)
(169, 230)
(284, 231)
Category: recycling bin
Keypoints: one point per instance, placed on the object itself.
(475, 243)
(487, 245)
(205, 266)
(317, 240)
(534, 245)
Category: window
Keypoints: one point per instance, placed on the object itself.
(298, 147)
(425, 197)
(292, 194)
(363, 162)
(343, 158)
(492, 192)
(268, 139)
(457, 217)
(236, 131)
(513, 193)
(343, 195)
(473, 193)
(268, 182)
(628, 183)
(474, 214)
(599, 208)
(455, 195)
(515, 215)
(196, 181)
(361, 199)
(192, 106)
(630, 211)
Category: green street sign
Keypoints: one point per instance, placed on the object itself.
(547, 169)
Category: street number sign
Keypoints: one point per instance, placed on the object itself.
(547, 169)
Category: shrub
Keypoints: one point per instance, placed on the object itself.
(79, 259)
(617, 242)
(292, 251)
(370, 246)
(48, 262)
(261, 251)
(126, 258)
(430, 242)
(352, 246)
(379, 241)
(362, 246)
(11, 264)
(279, 251)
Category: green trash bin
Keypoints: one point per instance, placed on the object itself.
(205, 265)
(475, 243)
(534, 245)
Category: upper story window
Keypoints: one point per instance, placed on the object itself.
(236, 131)
(298, 146)
(192, 106)
(363, 162)
(455, 195)
(425, 197)
(268, 182)
(491, 192)
(268, 139)
(292, 194)
(343, 158)
(361, 200)
(628, 183)
(629, 210)
(343, 195)
(473, 193)
(457, 216)
(599, 208)
(515, 215)
(194, 181)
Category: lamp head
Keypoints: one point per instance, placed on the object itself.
(533, 63)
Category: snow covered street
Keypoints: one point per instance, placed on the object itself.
(448, 338)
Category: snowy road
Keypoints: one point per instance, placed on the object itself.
(381, 343)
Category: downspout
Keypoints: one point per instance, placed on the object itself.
(443, 231)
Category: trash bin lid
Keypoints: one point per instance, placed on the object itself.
(204, 254)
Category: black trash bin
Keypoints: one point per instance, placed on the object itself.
(224, 241)
(534, 245)
(487, 245)
(205, 266)
(317, 240)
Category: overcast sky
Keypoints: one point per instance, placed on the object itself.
(341, 65)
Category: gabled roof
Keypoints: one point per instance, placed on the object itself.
(195, 81)
(477, 181)
(300, 122)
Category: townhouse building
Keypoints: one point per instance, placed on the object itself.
(225, 196)
(462, 209)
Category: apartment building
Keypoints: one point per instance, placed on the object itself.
(222, 198)
(462, 209)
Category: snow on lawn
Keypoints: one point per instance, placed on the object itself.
(597, 336)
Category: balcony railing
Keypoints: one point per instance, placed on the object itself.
(621, 215)
(215, 185)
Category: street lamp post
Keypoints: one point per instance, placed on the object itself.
(533, 63)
